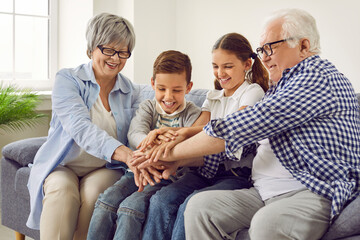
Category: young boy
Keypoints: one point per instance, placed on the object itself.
(121, 203)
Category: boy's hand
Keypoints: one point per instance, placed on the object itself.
(138, 158)
(156, 137)
(162, 151)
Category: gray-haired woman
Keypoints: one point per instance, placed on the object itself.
(92, 108)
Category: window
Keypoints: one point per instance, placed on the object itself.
(28, 43)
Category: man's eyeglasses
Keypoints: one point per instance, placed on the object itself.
(112, 52)
(266, 48)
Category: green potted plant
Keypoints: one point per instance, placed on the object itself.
(17, 108)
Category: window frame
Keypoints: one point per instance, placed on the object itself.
(52, 61)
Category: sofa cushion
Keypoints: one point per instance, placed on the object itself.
(23, 151)
(347, 224)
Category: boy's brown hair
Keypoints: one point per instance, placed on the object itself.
(173, 62)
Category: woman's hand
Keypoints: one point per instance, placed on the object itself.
(168, 168)
(147, 175)
(124, 154)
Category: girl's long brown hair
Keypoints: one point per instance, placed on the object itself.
(240, 46)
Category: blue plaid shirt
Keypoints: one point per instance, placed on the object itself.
(311, 117)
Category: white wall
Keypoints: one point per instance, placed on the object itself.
(192, 26)
(72, 19)
(198, 27)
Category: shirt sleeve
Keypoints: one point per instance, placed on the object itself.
(69, 107)
(295, 102)
(254, 93)
(206, 105)
(141, 124)
(192, 113)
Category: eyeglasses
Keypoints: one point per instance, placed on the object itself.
(267, 49)
(112, 52)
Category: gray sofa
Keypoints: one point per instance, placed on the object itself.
(15, 197)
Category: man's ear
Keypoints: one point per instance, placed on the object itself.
(304, 47)
(153, 83)
(188, 87)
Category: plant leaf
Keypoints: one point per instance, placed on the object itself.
(18, 108)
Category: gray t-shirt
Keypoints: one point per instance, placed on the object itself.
(146, 117)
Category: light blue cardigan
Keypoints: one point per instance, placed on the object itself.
(74, 93)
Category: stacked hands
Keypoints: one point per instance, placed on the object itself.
(151, 162)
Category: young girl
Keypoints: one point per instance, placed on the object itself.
(240, 82)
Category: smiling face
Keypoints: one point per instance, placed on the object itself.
(229, 70)
(283, 56)
(107, 67)
(170, 90)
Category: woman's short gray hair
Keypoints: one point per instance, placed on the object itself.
(298, 24)
(105, 28)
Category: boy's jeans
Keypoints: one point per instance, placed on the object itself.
(123, 205)
(168, 204)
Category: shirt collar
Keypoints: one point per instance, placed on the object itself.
(216, 95)
(161, 111)
(86, 73)
(287, 73)
(301, 65)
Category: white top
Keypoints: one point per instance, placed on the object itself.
(219, 106)
(270, 177)
(85, 162)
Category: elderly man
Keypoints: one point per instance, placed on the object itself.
(307, 164)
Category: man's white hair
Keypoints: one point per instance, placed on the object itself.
(297, 24)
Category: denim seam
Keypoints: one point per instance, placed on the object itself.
(132, 212)
(106, 206)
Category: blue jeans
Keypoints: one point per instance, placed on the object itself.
(102, 223)
(132, 212)
(165, 218)
(123, 205)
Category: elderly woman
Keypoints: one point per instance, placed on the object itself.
(92, 108)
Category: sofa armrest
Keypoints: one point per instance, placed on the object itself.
(23, 151)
